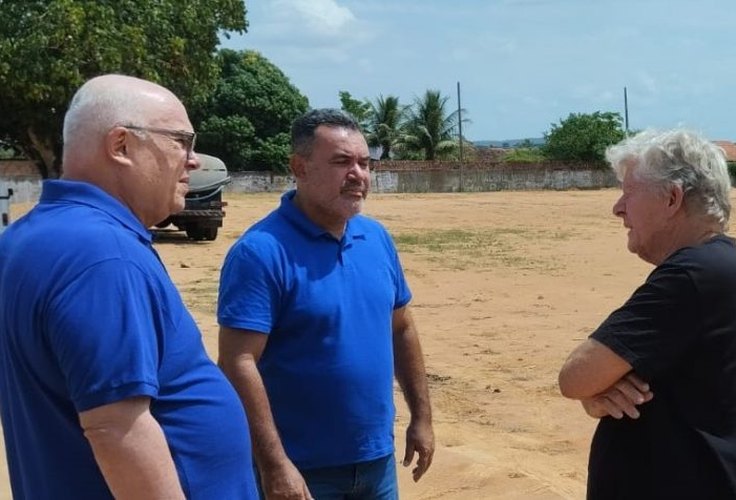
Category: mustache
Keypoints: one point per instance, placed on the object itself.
(350, 186)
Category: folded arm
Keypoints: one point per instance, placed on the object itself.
(603, 381)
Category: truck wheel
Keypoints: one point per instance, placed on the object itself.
(210, 233)
(198, 233)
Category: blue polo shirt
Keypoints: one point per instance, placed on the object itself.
(89, 317)
(327, 307)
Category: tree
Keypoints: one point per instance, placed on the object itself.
(583, 137)
(386, 118)
(361, 110)
(246, 120)
(50, 47)
(430, 129)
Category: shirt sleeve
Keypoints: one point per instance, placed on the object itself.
(403, 292)
(249, 292)
(656, 327)
(104, 335)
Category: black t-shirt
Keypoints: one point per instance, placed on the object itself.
(678, 331)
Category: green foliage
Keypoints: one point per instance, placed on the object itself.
(273, 151)
(361, 110)
(430, 128)
(525, 155)
(470, 152)
(8, 150)
(386, 118)
(228, 138)
(246, 120)
(49, 48)
(480, 249)
(424, 130)
(583, 137)
(732, 172)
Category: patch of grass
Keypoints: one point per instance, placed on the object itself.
(462, 249)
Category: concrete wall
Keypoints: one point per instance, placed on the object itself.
(22, 177)
(417, 177)
(259, 182)
(496, 179)
(499, 177)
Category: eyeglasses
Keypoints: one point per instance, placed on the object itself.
(186, 139)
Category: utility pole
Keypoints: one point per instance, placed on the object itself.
(626, 112)
(460, 131)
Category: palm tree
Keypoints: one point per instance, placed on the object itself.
(386, 119)
(430, 128)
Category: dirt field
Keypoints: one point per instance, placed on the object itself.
(505, 284)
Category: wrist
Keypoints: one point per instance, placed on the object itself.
(421, 418)
(272, 460)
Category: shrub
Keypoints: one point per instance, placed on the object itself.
(525, 155)
(732, 172)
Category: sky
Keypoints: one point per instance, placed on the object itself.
(522, 64)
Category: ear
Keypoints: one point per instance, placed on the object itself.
(298, 165)
(117, 145)
(675, 199)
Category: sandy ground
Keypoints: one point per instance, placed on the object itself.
(505, 284)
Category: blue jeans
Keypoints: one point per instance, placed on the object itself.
(374, 480)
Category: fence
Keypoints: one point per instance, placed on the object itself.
(389, 177)
(427, 177)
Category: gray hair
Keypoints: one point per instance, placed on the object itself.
(302, 130)
(678, 158)
(100, 104)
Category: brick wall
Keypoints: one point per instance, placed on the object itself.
(26, 169)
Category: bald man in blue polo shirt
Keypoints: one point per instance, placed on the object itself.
(314, 317)
(106, 390)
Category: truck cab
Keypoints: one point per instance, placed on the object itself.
(203, 211)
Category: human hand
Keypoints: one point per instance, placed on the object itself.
(622, 398)
(419, 439)
(284, 483)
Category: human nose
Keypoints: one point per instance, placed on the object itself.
(618, 207)
(356, 170)
(193, 162)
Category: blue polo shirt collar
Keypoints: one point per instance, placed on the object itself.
(84, 193)
(297, 218)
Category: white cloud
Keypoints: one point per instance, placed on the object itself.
(538, 59)
(321, 18)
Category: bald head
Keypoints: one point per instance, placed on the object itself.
(132, 139)
(106, 101)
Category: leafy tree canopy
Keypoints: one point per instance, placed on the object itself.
(246, 120)
(430, 127)
(583, 137)
(361, 110)
(386, 119)
(50, 47)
